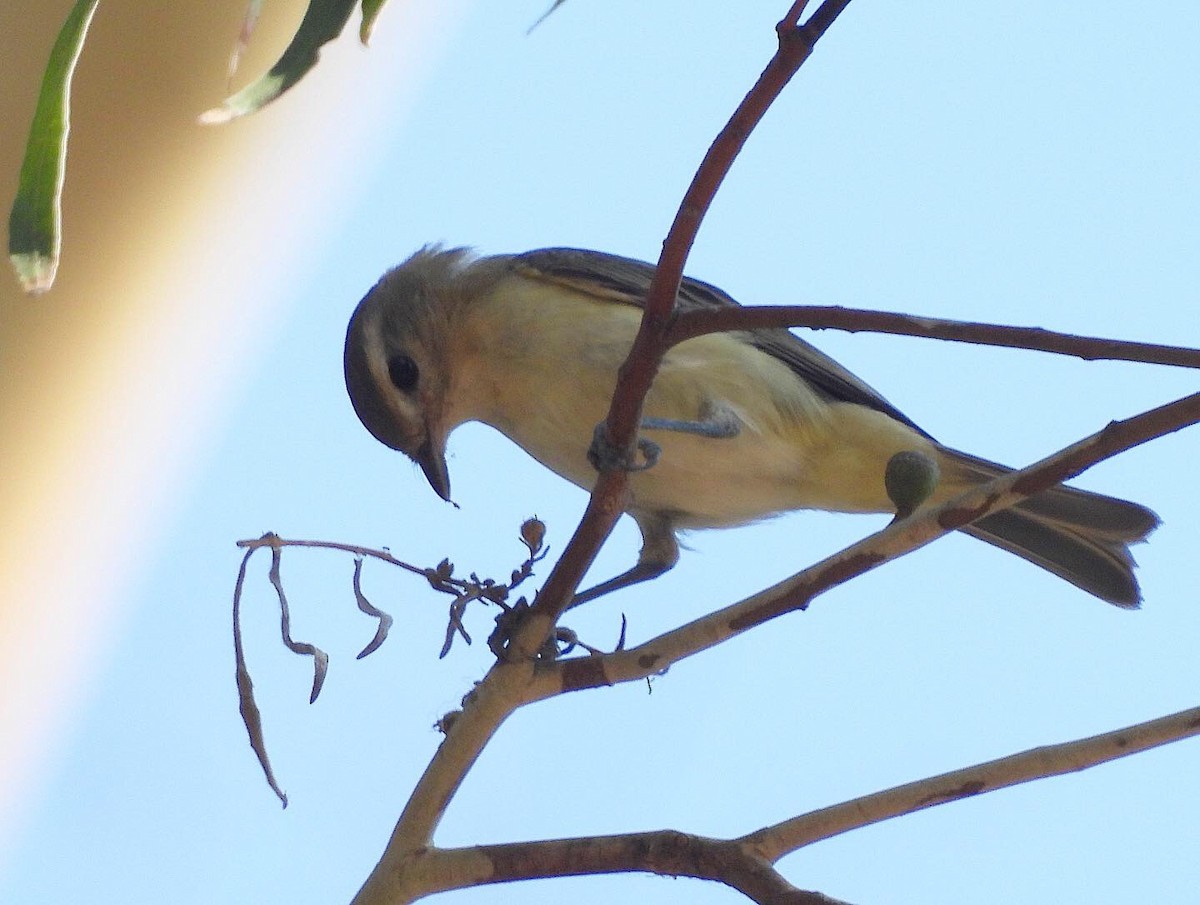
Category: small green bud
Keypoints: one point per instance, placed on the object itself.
(910, 479)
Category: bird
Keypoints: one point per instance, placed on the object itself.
(743, 425)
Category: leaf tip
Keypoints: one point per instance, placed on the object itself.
(35, 271)
(217, 116)
(370, 12)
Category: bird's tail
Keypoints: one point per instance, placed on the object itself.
(1080, 536)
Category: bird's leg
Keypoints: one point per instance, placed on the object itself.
(715, 422)
(660, 552)
(643, 571)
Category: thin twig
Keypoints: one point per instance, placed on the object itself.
(792, 17)
(824, 17)
(274, 541)
(855, 320)
(746, 863)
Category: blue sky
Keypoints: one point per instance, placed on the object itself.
(1019, 164)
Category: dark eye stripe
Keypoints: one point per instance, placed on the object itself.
(404, 372)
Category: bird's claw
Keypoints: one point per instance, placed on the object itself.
(604, 456)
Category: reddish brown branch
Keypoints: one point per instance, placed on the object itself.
(824, 17)
(637, 373)
(795, 46)
(855, 320)
(792, 17)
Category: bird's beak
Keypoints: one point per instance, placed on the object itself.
(433, 462)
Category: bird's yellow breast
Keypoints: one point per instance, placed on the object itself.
(539, 363)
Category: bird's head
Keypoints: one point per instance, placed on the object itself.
(397, 360)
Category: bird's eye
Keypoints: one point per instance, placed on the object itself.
(404, 372)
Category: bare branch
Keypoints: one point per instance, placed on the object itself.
(858, 320)
(274, 541)
(746, 863)
(792, 17)
(774, 842)
(502, 690)
(665, 852)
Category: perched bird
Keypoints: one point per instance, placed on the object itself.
(749, 424)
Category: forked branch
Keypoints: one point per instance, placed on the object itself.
(412, 868)
(747, 863)
(405, 866)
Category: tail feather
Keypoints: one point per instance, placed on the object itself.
(1080, 536)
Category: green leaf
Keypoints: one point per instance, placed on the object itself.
(323, 21)
(35, 224)
(370, 12)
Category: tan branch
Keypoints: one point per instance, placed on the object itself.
(502, 690)
(895, 540)
(665, 852)
(774, 842)
(746, 863)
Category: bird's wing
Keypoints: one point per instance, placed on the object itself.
(627, 281)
